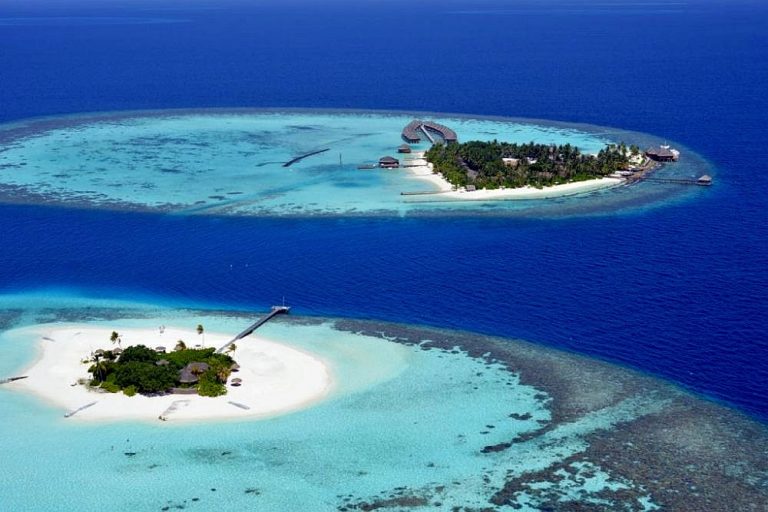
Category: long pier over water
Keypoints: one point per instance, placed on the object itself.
(276, 310)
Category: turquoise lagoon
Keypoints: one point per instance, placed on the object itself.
(419, 418)
(231, 162)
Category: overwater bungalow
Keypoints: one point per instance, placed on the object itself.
(417, 128)
(389, 162)
(404, 148)
(661, 154)
(704, 180)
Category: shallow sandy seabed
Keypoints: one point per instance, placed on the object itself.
(418, 417)
(231, 162)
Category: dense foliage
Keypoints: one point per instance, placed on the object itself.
(139, 369)
(481, 163)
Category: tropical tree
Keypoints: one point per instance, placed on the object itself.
(115, 338)
(99, 367)
(180, 345)
(231, 348)
(201, 332)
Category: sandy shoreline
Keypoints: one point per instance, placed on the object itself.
(276, 378)
(444, 189)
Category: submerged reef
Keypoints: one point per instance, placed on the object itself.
(282, 163)
(464, 422)
(641, 443)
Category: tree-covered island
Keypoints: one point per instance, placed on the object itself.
(491, 165)
(140, 369)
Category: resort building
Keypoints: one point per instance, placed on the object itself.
(416, 129)
(405, 148)
(661, 154)
(389, 162)
(511, 162)
(190, 373)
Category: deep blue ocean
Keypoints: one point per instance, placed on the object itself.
(679, 291)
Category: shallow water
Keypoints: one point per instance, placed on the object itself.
(232, 162)
(420, 418)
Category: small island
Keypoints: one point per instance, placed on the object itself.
(95, 373)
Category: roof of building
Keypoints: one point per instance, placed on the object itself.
(189, 374)
(388, 159)
(412, 129)
(659, 151)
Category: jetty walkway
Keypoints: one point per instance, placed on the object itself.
(276, 310)
(702, 181)
(305, 155)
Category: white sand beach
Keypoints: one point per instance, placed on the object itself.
(567, 189)
(275, 378)
(423, 170)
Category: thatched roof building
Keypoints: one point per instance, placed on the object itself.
(191, 373)
(660, 154)
(389, 162)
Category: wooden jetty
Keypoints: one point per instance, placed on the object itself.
(302, 157)
(276, 310)
(12, 379)
(703, 181)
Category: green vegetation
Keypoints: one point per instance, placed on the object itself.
(139, 369)
(540, 165)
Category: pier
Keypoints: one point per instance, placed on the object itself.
(276, 310)
(703, 181)
(302, 157)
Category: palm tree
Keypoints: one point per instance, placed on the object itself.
(231, 348)
(201, 332)
(222, 373)
(99, 367)
(180, 345)
(115, 338)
